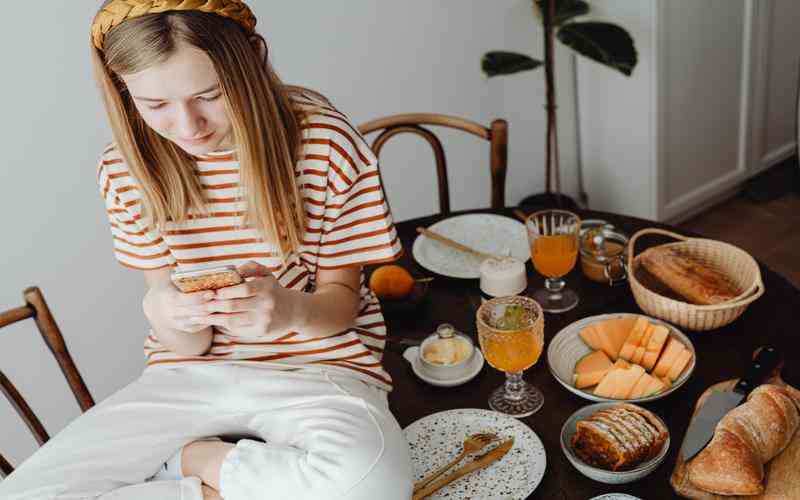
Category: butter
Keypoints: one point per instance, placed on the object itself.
(446, 351)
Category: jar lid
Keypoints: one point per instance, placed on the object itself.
(594, 239)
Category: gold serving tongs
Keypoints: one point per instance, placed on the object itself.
(427, 487)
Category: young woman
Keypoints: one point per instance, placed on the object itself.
(217, 162)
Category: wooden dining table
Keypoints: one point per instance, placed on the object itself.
(721, 354)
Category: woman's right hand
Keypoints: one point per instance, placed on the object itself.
(166, 307)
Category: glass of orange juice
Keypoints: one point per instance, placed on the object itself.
(511, 336)
(554, 240)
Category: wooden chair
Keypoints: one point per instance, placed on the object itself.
(496, 134)
(35, 307)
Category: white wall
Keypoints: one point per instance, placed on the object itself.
(784, 48)
(372, 58)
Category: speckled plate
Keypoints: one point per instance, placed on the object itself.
(488, 233)
(615, 496)
(436, 439)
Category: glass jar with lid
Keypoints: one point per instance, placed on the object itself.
(604, 251)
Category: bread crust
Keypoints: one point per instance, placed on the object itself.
(688, 277)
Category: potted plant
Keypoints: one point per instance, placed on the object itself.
(606, 43)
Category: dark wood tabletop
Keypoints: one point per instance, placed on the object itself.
(721, 354)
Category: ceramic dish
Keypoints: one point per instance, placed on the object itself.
(412, 356)
(567, 348)
(489, 233)
(436, 439)
(596, 473)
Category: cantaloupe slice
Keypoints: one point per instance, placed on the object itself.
(588, 379)
(590, 369)
(649, 360)
(621, 363)
(638, 355)
(627, 351)
(667, 381)
(638, 331)
(668, 357)
(589, 335)
(639, 389)
(658, 338)
(655, 387)
(647, 334)
(596, 360)
(677, 367)
(627, 379)
(612, 334)
(609, 383)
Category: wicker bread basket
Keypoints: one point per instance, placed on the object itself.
(728, 259)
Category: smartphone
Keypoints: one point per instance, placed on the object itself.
(206, 279)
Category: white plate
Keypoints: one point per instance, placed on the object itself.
(488, 233)
(436, 439)
(567, 348)
(412, 356)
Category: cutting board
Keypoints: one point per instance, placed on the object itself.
(781, 473)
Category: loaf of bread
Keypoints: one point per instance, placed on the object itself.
(687, 277)
(744, 440)
(619, 438)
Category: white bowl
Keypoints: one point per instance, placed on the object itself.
(596, 473)
(567, 348)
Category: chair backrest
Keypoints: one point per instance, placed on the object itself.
(496, 134)
(35, 307)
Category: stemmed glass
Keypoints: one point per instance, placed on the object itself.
(511, 335)
(554, 240)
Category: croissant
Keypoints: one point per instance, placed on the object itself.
(744, 440)
(688, 277)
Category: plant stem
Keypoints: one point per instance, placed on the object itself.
(548, 68)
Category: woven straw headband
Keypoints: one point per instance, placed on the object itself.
(119, 11)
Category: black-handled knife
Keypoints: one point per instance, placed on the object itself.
(719, 403)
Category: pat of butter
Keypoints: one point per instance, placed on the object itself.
(446, 351)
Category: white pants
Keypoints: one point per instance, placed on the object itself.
(304, 434)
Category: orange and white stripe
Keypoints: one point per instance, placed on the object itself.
(348, 224)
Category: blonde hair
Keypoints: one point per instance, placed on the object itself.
(266, 125)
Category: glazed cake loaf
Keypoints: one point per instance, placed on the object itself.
(686, 276)
(619, 438)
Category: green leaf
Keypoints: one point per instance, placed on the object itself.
(507, 63)
(605, 43)
(565, 10)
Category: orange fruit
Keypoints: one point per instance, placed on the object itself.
(391, 282)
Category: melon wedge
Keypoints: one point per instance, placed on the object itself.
(588, 379)
(621, 363)
(667, 381)
(655, 387)
(677, 367)
(627, 379)
(590, 369)
(609, 383)
(658, 338)
(640, 387)
(612, 334)
(638, 355)
(589, 335)
(637, 332)
(647, 334)
(597, 360)
(627, 351)
(671, 352)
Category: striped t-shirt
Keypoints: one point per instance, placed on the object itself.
(348, 223)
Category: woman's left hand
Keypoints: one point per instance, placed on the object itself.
(253, 308)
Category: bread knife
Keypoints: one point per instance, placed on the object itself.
(719, 403)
